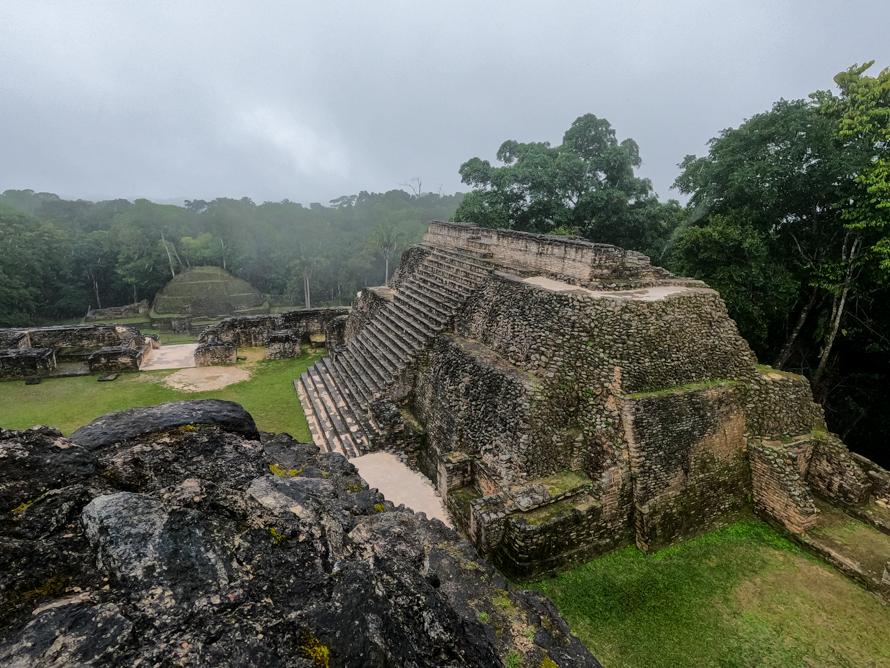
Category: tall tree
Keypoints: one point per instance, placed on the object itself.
(385, 239)
(587, 183)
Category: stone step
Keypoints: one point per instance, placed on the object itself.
(329, 439)
(409, 313)
(373, 377)
(350, 432)
(410, 327)
(461, 251)
(431, 318)
(378, 363)
(311, 418)
(350, 377)
(345, 387)
(462, 256)
(391, 350)
(435, 292)
(399, 345)
(370, 387)
(382, 356)
(454, 267)
(458, 288)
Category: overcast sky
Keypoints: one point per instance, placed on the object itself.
(312, 100)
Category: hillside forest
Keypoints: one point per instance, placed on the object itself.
(788, 217)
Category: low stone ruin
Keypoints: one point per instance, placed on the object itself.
(117, 312)
(282, 344)
(568, 399)
(180, 535)
(214, 353)
(72, 350)
(252, 331)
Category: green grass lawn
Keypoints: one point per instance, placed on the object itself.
(744, 596)
(171, 339)
(68, 403)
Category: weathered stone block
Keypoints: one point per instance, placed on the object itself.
(19, 363)
(115, 359)
(215, 353)
(282, 344)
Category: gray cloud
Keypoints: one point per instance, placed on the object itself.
(309, 101)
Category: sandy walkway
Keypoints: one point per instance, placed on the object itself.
(201, 379)
(171, 357)
(400, 484)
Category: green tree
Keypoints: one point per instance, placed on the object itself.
(587, 183)
(307, 263)
(385, 239)
(784, 173)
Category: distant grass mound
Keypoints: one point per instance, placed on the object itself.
(208, 291)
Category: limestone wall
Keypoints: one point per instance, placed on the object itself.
(112, 312)
(215, 353)
(411, 259)
(83, 337)
(469, 401)
(13, 338)
(780, 404)
(251, 331)
(625, 345)
(688, 462)
(20, 363)
(569, 257)
(780, 492)
(834, 474)
(116, 359)
(282, 344)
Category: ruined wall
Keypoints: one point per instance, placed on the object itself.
(688, 462)
(214, 353)
(684, 338)
(283, 344)
(469, 401)
(83, 337)
(14, 338)
(129, 311)
(20, 363)
(251, 331)
(780, 404)
(115, 359)
(834, 473)
(780, 492)
(335, 331)
(566, 257)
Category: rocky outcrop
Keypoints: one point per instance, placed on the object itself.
(206, 543)
(116, 427)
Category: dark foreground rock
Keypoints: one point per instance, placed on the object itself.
(190, 545)
(116, 427)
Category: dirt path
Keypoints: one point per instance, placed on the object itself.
(400, 484)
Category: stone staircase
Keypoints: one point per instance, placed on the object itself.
(336, 393)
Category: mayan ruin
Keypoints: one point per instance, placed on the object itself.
(568, 398)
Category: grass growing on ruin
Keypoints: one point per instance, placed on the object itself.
(68, 403)
(742, 596)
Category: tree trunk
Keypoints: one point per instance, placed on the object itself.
(789, 342)
(223, 254)
(134, 294)
(96, 290)
(386, 271)
(837, 313)
(306, 291)
(169, 257)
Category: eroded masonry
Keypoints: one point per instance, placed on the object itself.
(568, 398)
